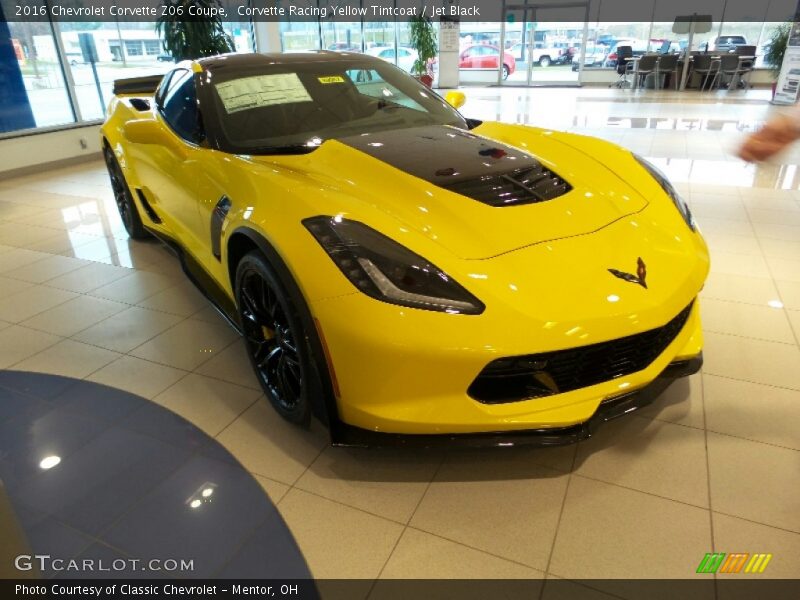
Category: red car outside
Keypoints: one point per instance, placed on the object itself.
(484, 56)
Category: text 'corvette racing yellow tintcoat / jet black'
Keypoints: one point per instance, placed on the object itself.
(402, 273)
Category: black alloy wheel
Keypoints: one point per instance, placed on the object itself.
(128, 211)
(276, 341)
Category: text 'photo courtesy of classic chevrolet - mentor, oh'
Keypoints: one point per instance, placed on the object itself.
(402, 273)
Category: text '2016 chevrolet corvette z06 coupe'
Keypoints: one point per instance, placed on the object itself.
(405, 274)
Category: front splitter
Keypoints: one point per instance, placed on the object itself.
(610, 409)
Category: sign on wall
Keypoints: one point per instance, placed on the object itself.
(788, 85)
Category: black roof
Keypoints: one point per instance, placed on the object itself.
(254, 59)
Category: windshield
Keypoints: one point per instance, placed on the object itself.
(297, 106)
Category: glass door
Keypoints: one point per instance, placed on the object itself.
(518, 33)
(544, 43)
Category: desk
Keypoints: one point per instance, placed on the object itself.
(743, 60)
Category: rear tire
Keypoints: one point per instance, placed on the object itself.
(506, 72)
(544, 61)
(128, 211)
(278, 344)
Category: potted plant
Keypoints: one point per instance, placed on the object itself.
(193, 37)
(774, 50)
(423, 40)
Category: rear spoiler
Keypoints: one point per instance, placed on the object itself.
(145, 86)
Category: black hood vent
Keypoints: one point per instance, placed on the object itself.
(523, 186)
(460, 161)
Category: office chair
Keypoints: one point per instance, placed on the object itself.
(624, 54)
(648, 64)
(707, 66)
(668, 63)
(728, 67)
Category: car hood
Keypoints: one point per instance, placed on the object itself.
(452, 186)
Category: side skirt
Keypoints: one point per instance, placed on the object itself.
(202, 280)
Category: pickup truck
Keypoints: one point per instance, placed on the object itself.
(542, 55)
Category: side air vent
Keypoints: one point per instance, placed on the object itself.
(523, 186)
(140, 104)
(217, 219)
(147, 208)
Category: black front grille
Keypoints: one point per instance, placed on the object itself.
(523, 186)
(537, 375)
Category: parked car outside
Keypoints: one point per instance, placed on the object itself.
(594, 57)
(344, 47)
(484, 56)
(729, 43)
(543, 55)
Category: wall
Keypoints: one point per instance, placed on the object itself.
(42, 148)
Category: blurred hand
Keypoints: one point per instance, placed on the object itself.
(777, 133)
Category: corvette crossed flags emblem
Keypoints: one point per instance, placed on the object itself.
(640, 277)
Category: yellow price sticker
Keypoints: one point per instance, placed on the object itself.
(331, 79)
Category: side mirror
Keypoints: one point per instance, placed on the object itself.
(455, 99)
(143, 131)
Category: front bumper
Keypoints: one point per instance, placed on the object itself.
(609, 409)
(408, 373)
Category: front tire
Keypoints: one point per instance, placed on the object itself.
(506, 72)
(277, 342)
(544, 61)
(128, 211)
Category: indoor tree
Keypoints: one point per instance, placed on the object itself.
(775, 49)
(423, 40)
(193, 37)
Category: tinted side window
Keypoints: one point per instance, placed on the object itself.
(179, 106)
(162, 88)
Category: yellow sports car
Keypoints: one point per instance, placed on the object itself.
(403, 273)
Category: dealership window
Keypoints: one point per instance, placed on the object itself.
(42, 99)
(59, 85)
(133, 48)
(299, 36)
(53, 84)
(341, 37)
(120, 50)
(123, 50)
(152, 47)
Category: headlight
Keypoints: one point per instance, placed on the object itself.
(387, 271)
(668, 188)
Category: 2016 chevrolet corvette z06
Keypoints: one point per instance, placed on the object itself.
(403, 273)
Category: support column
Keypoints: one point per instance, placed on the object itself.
(449, 53)
(268, 36)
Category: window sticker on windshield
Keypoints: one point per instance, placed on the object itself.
(261, 90)
(331, 79)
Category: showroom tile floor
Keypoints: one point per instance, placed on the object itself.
(714, 465)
